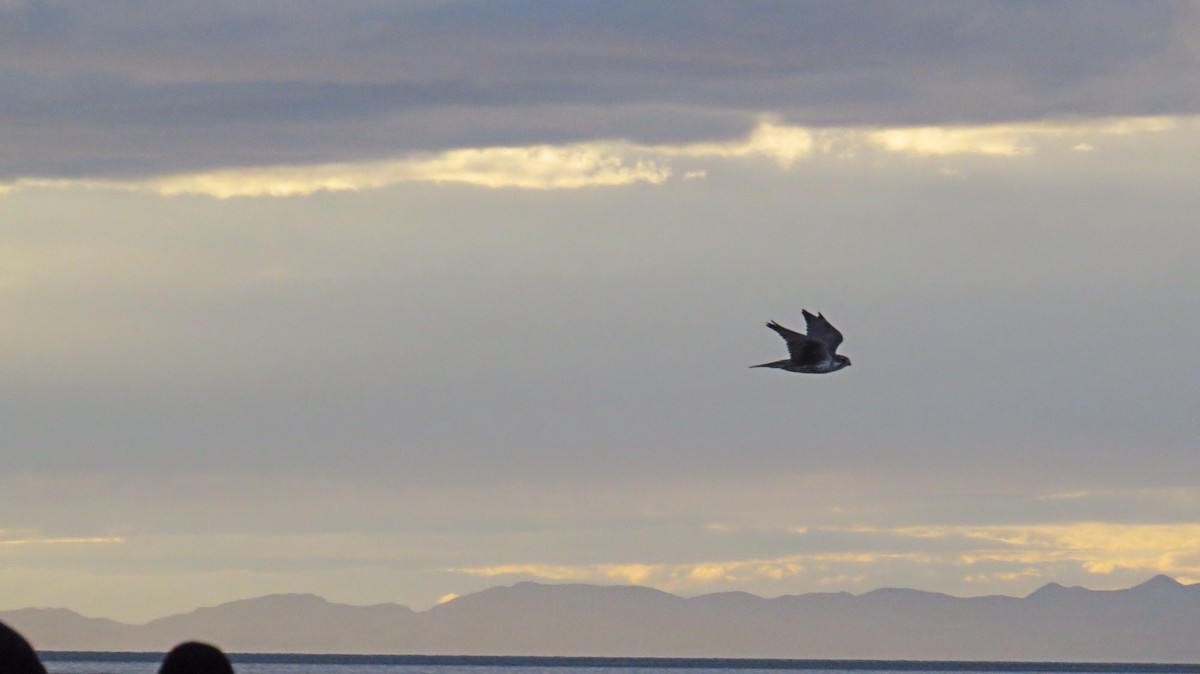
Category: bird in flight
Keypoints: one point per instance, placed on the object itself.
(814, 353)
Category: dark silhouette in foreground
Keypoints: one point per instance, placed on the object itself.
(193, 657)
(190, 657)
(814, 353)
(16, 655)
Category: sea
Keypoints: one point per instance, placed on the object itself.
(260, 663)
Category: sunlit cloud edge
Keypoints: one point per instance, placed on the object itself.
(618, 163)
(983, 554)
(26, 539)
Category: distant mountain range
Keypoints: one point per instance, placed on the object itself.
(1157, 621)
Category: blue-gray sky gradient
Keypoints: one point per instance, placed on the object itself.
(421, 386)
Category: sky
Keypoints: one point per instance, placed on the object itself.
(394, 302)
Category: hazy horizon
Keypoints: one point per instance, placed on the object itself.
(392, 302)
(1151, 622)
(567, 584)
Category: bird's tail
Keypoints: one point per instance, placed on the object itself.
(778, 364)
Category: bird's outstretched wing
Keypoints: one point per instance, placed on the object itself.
(803, 349)
(822, 331)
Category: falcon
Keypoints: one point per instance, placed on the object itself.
(814, 353)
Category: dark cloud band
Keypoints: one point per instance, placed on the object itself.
(99, 89)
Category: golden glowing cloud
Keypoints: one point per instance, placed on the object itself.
(1004, 577)
(785, 144)
(1027, 551)
(943, 141)
(677, 576)
(840, 580)
(541, 167)
(615, 163)
(29, 538)
(630, 573)
(547, 571)
(1006, 139)
(1097, 547)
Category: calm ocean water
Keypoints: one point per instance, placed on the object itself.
(145, 663)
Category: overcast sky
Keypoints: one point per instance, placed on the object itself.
(390, 302)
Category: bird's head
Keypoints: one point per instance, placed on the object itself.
(842, 361)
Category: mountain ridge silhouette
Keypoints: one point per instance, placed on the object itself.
(1154, 621)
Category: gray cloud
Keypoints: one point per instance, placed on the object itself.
(105, 88)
